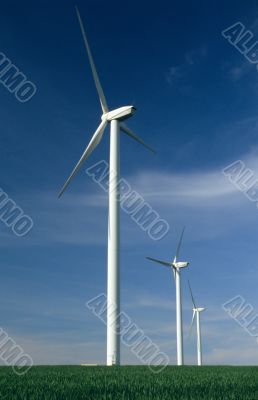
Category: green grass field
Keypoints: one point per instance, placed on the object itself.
(129, 382)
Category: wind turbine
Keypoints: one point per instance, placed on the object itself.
(196, 312)
(115, 118)
(176, 266)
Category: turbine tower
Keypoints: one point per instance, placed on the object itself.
(176, 267)
(196, 313)
(115, 118)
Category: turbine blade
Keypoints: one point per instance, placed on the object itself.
(191, 326)
(129, 132)
(160, 262)
(179, 245)
(102, 98)
(191, 293)
(96, 138)
(174, 273)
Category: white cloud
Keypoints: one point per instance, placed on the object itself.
(150, 301)
(195, 197)
(177, 72)
(238, 72)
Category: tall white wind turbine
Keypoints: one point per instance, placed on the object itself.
(196, 313)
(115, 118)
(176, 266)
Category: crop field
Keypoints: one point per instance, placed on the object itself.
(129, 383)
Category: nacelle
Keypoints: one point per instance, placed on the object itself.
(121, 113)
(181, 264)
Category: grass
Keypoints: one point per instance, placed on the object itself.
(130, 383)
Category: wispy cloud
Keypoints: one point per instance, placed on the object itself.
(151, 301)
(82, 219)
(238, 72)
(192, 58)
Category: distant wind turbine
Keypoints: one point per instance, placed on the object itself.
(176, 267)
(115, 118)
(196, 313)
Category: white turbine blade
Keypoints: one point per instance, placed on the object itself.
(174, 273)
(179, 245)
(129, 132)
(191, 293)
(191, 326)
(102, 98)
(160, 262)
(96, 138)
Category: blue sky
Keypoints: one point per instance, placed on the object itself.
(196, 99)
